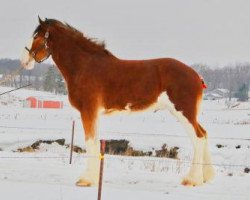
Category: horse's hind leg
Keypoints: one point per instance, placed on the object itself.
(195, 175)
(208, 170)
(185, 109)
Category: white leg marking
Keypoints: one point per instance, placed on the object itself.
(27, 61)
(195, 175)
(91, 174)
(208, 169)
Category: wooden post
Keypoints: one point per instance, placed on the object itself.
(102, 152)
(72, 142)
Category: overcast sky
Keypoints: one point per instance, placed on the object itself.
(216, 32)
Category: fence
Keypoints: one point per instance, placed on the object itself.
(174, 163)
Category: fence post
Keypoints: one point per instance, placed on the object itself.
(72, 142)
(102, 152)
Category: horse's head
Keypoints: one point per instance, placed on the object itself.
(38, 50)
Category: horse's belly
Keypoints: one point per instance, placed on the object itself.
(161, 103)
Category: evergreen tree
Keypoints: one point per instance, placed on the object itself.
(242, 93)
(60, 84)
(50, 80)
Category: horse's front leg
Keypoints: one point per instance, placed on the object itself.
(91, 173)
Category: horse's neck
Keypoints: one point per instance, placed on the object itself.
(67, 57)
(73, 59)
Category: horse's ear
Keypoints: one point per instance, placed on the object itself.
(41, 22)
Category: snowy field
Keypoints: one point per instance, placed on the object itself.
(47, 175)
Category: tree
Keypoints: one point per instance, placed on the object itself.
(53, 81)
(60, 84)
(50, 80)
(242, 93)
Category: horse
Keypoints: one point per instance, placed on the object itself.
(99, 83)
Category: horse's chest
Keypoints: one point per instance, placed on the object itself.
(76, 98)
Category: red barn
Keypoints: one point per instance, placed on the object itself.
(36, 102)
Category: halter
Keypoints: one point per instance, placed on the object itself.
(44, 45)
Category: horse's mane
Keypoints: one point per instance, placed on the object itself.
(85, 42)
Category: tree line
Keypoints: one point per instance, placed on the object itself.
(235, 78)
(45, 77)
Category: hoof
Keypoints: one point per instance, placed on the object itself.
(83, 183)
(187, 183)
(208, 174)
(191, 183)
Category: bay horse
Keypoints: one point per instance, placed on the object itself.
(100, 83)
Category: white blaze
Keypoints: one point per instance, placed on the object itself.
(27, 61)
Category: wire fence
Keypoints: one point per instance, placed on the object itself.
(126, 163)
(127, 158)
(117, 133)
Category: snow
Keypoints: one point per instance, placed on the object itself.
(47, 174)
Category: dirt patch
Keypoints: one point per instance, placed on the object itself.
(76, 149)
(167, 152)
(116, 147)
(113, 147)
(247, 170)
(36, 146)
(122, 147)
(25, 149)
(219, 146)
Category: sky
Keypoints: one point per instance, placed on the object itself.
(213, 32)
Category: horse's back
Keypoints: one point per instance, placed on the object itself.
(169, 72)
(142, 81)
(180, 82)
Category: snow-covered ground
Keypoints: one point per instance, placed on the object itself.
(46, 174)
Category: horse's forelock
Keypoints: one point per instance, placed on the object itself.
(47, 22)
(38, 29)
